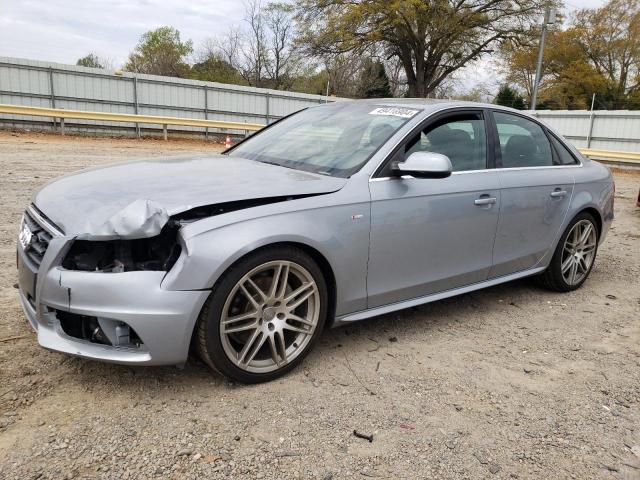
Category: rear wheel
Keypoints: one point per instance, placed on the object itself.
(263, 316)
(574, 256)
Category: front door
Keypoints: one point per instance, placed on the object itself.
(431, 235)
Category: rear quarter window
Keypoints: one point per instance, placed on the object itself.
(565, 157)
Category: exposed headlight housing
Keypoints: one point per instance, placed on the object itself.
(157, 253)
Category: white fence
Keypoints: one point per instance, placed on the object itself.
(599, 130)
(44, 84)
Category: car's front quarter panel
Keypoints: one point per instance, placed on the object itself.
(335, 225)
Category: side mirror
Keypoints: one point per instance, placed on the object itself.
(424, 165)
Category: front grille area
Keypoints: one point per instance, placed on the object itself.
(40, 239)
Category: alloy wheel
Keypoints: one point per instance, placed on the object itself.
(270, 316)
(578, 252)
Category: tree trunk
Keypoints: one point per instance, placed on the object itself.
(416, 80)
(417, 88)
(413, 87)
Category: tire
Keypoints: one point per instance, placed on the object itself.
(252, 329)
(553, 277)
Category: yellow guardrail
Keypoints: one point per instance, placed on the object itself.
(62, 113)
(631, 157)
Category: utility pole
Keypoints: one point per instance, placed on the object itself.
(549, 19)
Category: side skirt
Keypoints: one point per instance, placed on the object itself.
(392, 307)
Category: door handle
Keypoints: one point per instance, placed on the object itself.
(485, 200)
(559, 193)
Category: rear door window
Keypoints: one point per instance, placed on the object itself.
(523, 143)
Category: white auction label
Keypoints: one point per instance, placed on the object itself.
(394, 111)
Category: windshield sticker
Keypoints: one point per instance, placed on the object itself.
(394, 112)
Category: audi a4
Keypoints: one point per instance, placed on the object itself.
(332, 215)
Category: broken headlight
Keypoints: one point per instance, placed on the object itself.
(154, 253)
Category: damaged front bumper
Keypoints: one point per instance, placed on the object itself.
(161, 321)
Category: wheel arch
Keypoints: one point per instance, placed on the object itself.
(551, 277)
(321, 261)
(585, 208)
(597, 216)
(317, 256)
(590, 209)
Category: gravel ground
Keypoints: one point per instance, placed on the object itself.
(508, 382)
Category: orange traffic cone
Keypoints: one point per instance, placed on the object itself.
(227, 142)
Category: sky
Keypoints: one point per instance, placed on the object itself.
(63, 31)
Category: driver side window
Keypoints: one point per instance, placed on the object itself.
(460, 137)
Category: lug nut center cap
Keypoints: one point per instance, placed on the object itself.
(269, 313)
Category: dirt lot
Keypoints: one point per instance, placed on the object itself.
(509, 382)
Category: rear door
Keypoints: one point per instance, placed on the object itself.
(431, 235)
(536, 189)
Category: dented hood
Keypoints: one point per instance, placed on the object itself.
(135, 200)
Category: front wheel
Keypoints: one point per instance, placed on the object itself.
(263, 316)
(574, 256)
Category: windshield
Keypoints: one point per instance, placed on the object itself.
(335, 139)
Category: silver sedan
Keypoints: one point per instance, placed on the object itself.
(332, 215)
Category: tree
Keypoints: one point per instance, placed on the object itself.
(598, 53)
(282, 61)
(91, 60)
(311, 80)
(572, 87)
(214, 68)
(509, 97)
(228, 46)
(373, 81)
(481, 92)
(432, 38)
(610, 37)
(397, 78)
(342, 72)
(567, 80)
(161, 52)
(254, 47)
(262, 49)
(519, 64)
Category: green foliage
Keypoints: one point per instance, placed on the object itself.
(311, 81)
(373, 81)
(598, 53)
(508, 97)
(214, 68)
(90, 60)
(161, 52)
